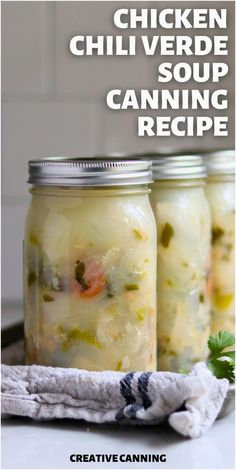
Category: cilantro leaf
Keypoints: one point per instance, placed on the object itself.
(220, 362)
(220, 341)
(222, 369)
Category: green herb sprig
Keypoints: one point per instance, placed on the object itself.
(221, 360)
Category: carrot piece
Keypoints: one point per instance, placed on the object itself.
(96, 285)
(90, 280)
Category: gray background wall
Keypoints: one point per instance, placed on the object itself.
(53, 103)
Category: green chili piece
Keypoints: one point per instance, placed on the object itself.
(31, 278)
(184, 371)
(48, 298)
(33, 239)
(201, 298)
(167, 234)
(132, 287)
(141, 313)
(109, 290)
(139, 235)
(119, 366)
(75, 334)
(79, 270)
(79, 275)
(217, 232)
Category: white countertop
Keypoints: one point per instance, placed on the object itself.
(27, 444)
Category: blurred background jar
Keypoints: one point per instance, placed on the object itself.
(90, 265)
(220, 190)
(183, 285)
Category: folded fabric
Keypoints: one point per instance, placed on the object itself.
(190, 403)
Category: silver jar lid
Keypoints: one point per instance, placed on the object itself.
(221, 162)
(65, 171)
(178, 167)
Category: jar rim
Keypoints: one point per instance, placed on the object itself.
(178, 167)
(169, 164)
(220, 162)
(75, 171)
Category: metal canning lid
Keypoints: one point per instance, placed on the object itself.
(178, 167)
(65, 171)
(221, 162)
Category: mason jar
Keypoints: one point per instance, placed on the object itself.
(183, 266)
(90, 265)
(220, 192)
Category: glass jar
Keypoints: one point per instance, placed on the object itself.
(220, 192)
(90, 265)
(183, 265)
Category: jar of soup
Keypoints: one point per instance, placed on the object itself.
(183, 266)
(220, 192)
(90, 265)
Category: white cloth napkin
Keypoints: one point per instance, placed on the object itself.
(190, 403)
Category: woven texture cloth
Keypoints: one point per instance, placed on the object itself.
(190, 403)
